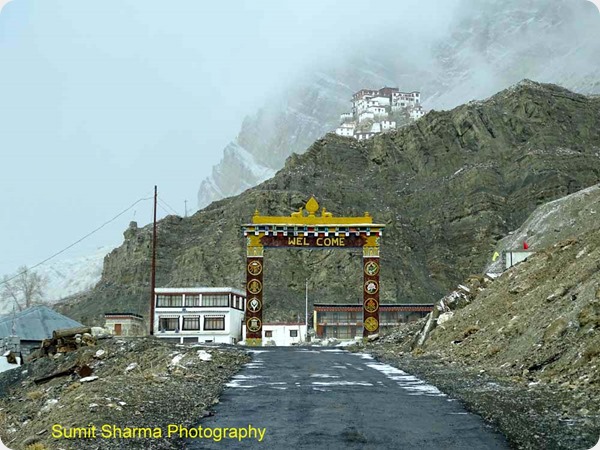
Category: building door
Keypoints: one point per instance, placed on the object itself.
(118, 329)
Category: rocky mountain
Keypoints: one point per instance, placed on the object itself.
(487, 46)
(448, 188)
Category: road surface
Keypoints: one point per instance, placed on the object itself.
(313, 398)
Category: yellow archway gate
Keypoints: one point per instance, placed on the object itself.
(306, 229)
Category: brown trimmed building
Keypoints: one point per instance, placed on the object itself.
(343, 321)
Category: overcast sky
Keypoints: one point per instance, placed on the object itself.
(100, 101)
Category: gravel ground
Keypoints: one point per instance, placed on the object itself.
(530, 415)
(142, 382)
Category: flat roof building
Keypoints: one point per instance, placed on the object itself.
(125, 324)
(199, 314)
(345, 321)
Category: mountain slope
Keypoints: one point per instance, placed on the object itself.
(447, 188)
(489, 46)
(536, 326)
(66, 277)
(553, 222)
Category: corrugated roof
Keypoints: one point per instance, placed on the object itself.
(35, 323)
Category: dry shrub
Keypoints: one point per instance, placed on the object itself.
(35, 395)
(494, 350)
(469, 331)
(36, 446)
(72, 386)
(591, 353)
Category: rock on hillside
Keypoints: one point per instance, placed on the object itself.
(555, 221)
(488, 46)
(134, 382)
(447, 188)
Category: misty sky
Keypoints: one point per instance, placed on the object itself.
(99, 101)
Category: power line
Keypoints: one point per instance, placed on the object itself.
(164, 209)
(76, 242)
(168, 206)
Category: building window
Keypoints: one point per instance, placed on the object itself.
(215, 300)
(293, 333)
(191, 323)
(192, 300)
(169, 301)
(214, 323)
(269, 333)
(168, 324)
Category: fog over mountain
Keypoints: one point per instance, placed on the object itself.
(478, 48)
(98, 108)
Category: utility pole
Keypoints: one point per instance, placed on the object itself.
(306, 310)
(185, 201)
(153, 274)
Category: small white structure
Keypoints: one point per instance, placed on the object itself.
(282, 334)
(416, 113)
(388, 125)
(512, 258)
(346, 129)
(199, 314)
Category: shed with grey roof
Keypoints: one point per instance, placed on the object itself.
(33, 325)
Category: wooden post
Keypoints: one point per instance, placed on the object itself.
(153, 274)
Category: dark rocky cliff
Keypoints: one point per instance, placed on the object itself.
(448, 188)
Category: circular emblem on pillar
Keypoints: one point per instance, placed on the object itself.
(255, 268)
(371, 324)
(371, 268)
(371, 305)
(254, 304)
(254, 286)
(371, 287)
(253, 324)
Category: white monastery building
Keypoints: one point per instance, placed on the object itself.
(371, 111)
(199, 314)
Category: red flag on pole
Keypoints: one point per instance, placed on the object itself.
(525, 245)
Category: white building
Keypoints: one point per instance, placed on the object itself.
(363, 136)
(282, 334)
(387, 125)
(376, 106)
(416, 113)
(346, 129)
(367, 115)
(199, 314)
(514, 257)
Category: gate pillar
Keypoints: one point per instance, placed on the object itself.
(254, 291)
(371, 286)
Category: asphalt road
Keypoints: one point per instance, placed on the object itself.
(332, 399)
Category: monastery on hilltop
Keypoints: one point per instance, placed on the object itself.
(374, 112)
